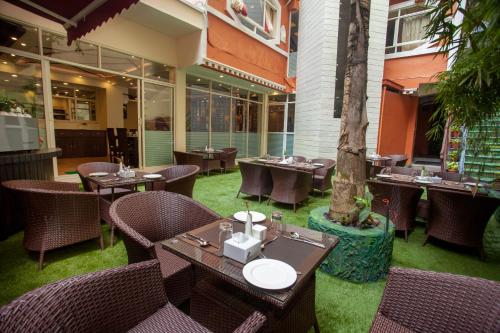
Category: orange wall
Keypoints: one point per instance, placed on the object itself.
(234, 48)
(411, 71)
(397, 123)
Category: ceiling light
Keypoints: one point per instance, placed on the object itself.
(4, 62)
(80, 76)
(123, 77)
(12, 55)
(13, 38)
(65, 83)
(133, 57)
(6, 80)
(108, 81)
(77, 89)
(37, 84)
(131, 84)
(14, 75)
(220, 84)
(54, 87)
(221, 76)
(252, 85)
(198, 80)
(66, 92)
(23, 44)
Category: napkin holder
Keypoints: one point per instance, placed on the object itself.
(126, 173)
(243, 251)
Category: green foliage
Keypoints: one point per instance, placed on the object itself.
(453, 156)
(452, 166)
(469, 91)
(364, 204)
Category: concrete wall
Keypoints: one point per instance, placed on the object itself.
(316, 131)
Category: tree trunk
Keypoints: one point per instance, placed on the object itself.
(351, 151)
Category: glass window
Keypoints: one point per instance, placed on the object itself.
(240, 93)
(18, 36)
(293, 44)
(406, 28)
(276, 118)
(120, 62)
(80, 52)
(197, 117)
(262, 17)
(221, 88)
(254, 112)
(256, 97)
(277, 98)
(21, 91)
(221, 109)
(197, 82)
(157, 71)
(290, 124)
(239, 135)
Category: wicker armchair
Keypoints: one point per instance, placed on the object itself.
(228, 158)
(299, 159)
(459, 217)
(125, 299)
(147, 218)
(405, 171)
(206, 165)
(403, 200)
(178, 179)
(397, 160)
(55, 214)
(430, 302)
(255, 179)
(452, 176)
(322, 180)
(290, 186)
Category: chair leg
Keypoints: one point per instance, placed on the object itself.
(323, 194)
(481, 253)
(425, 240)
(294, 208)
(237, 195)
(101, 242)
(40, 260)
(259, 198)
(316, 326)
(112, 236)
(406, 235)
(268, 201)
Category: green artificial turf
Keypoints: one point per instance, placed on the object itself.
(341, 306)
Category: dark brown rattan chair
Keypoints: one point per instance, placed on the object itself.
(459, 217)
(290, 186)
(55, 214)
(178, 179)
(403, 200)
(397, 160)
(255, 179)
(147, 218)
(431, 302)
(125, 299)
(404, 171)
(322, 180)
(299, 159)
(452, 176)
(228, 158)
(206, 165)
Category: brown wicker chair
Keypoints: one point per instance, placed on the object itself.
(206, 165)
(125, 299)
(322, 180)
(459, 217)
(397, 160)
(290, 186)
(452, 176)
(255, 179)
(404, 171)
(147, 218)
(430, 302)
(55, 214)
(178, 179)
(403, 200)
(228, 158)
(299, 159)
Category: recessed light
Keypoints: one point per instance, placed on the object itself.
(66, 92)
(220, 84)
(37, 84)
(6, 80)
(198, 80)
(77, 89)
(54, 87)
(80, 76)
(23, 44)
(13, 38)
(4, 62)
(108, 81)
(131, 84)
(14, 75)
(238, 89)
(65, 83)
(221, 76)
(133, 57)
(252, 85)
(12, 55)
(123, 77)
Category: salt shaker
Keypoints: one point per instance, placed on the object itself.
(248, 224)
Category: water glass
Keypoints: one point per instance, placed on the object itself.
(276, 221)
(225, 233)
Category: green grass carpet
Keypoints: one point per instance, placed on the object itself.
(341, 306)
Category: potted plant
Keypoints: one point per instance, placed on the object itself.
(455, 143)
(453, 156)
(455, 131)
(452, 166)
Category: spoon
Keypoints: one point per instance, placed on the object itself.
(202, 243)
(296, 235)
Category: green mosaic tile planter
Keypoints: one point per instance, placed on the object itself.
(362, 255)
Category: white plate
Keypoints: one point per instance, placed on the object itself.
(318, 164)
(98, 174)
(152, 176)
(421, 181)
(380, 175)
(256, 216)
(269, 274)
(473, 184)
(262, 160)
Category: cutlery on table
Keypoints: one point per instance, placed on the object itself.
(269, 241)
(201, 240)
(307, 241)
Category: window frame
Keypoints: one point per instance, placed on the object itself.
(424, 48)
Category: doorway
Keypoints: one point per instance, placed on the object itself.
(425, 150)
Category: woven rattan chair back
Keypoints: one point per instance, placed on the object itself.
(255, 179)
(452, 176)
(87, 168)
(397, 160)
(290, 186)
(404, 171)
(228, 158)
(178, 179)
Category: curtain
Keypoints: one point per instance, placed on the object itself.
(412, 29)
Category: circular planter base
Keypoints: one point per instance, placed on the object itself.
(362, 255)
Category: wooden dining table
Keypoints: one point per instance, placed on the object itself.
(291, 307)
(308, 167)
(444, 184)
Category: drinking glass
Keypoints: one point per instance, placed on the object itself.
(276, 221)
(225, 233)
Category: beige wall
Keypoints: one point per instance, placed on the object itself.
(132, 121)
(114, 106)
(180, 114)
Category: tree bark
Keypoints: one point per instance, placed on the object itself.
(351, 151)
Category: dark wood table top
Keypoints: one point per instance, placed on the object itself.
(296, 165)
(113, 180)
(445, 184)
(305, 258)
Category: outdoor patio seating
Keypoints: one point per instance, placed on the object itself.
(149, 217)
(228, 158)
(458, 217)
(322, 180)
(178, 179)
(206, 164)
(55, 214)
(290, 186)
(422, 301)
(403, 200)
(453, 176)
(84, 170)
(130, 298)
(256, 179)
(402, 170)
(396, 160)
(299, 159)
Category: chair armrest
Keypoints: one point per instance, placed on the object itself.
(252, 323)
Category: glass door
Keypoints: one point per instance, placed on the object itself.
(158, 123)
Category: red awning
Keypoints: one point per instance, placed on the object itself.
(77, 17)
